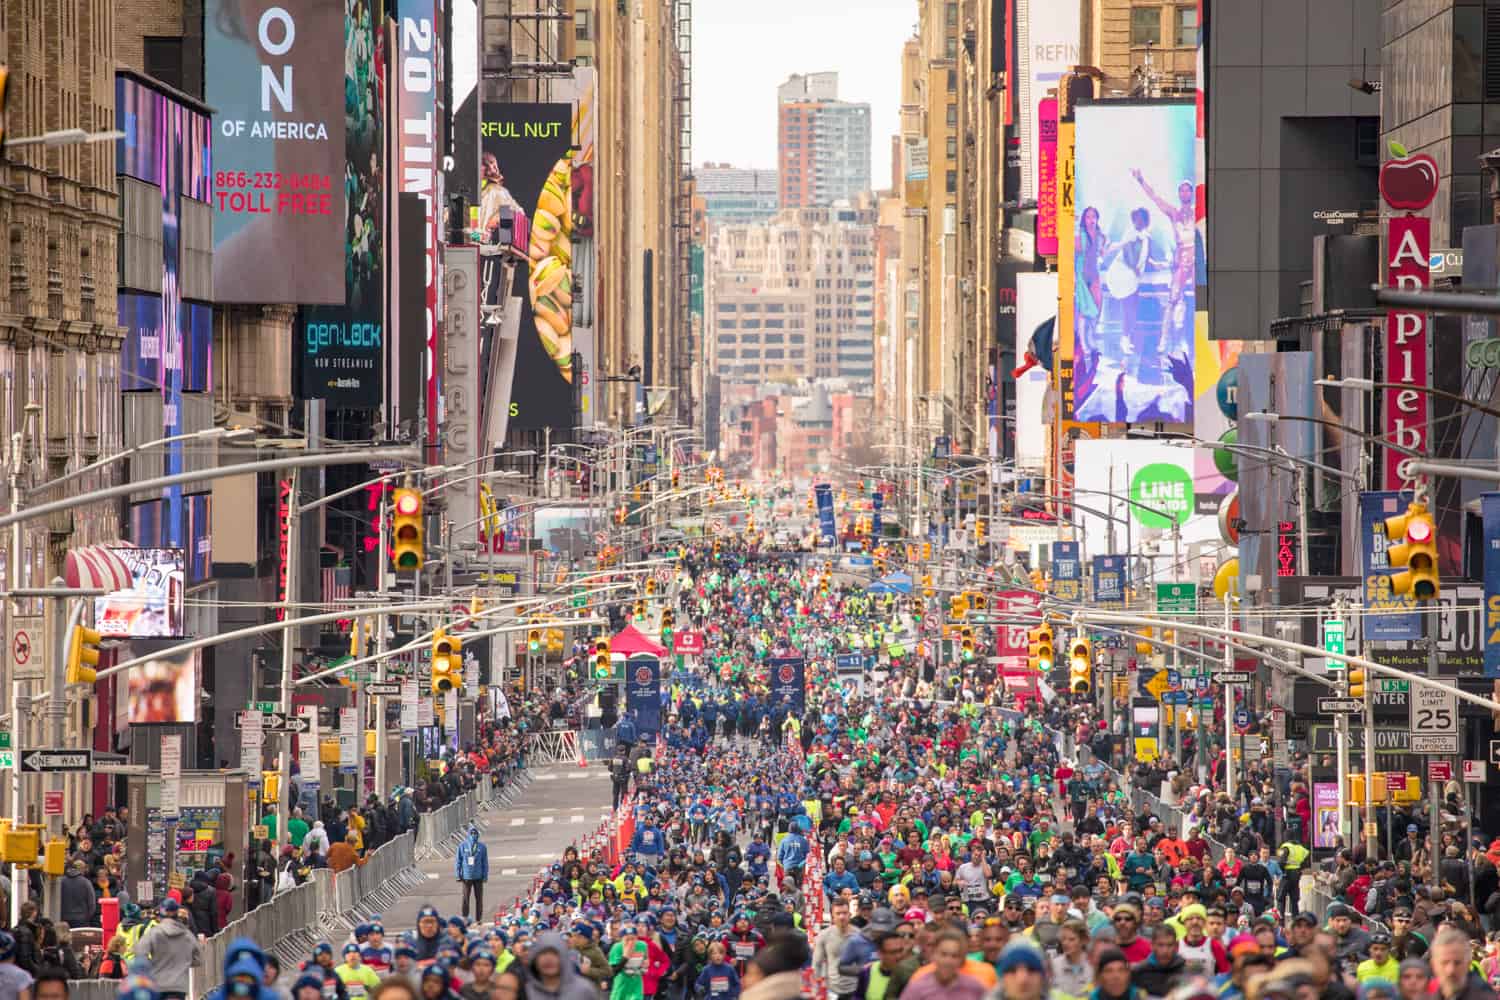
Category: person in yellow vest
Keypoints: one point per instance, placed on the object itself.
(1293, 857)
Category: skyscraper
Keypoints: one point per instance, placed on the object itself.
(823, 144)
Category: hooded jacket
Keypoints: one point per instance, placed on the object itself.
(170, 950)
(571, 986)
(598, 971)
(472, 862)
(317, 835)
(205, 905)
(79, 902)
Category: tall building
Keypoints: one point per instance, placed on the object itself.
(736, 195)
(1145, 48)
(823, 144)
(794, 297)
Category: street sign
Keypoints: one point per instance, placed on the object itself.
(383, 689)
(7, 760)
(35, 761)
(52, 803)
(276, 722)
(1434, 719)
(1474, 771)
(1242, 720)
(1389, 685)
(1439, 770)
(1176, 598)
(5, 743)
(1395, 781)
(1340, 706)
(1333, 642)
(1234, 677)
(1495, 752)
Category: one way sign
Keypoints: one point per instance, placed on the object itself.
(275, 722)
(57, 760)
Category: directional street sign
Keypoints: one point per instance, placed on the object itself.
(1235, 677)
(383, 689)
(1333, 642)
(57, 760)
(277, 722)
(1340, 706)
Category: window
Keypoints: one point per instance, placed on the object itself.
(1187, 27)
(953, 116)
(950, 47)
(952, 147)
(952, 181)
(581, 26)
(950, 15)
(1145, 26)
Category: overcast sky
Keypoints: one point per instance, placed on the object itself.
(742, 51)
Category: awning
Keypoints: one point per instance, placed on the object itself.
(97, 567)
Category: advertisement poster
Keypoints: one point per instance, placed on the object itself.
(1067, 572)
(1036, 318)
(309, 764)
(827, 528)
(788, 683)
(1046, 189)
(526, 160)
(1388, 616)
(1489, 505)
(1109, 580)
(1135, 262)
(278, 149)
(877, 504)
(643, 693)
(1325, 814)
(1049, 46)
(343, 345)
(153, 607)
(164, 689)
(1408, 253)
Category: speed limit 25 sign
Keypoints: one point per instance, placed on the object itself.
(1434, 720)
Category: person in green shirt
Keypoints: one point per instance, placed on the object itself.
(627, 957)
(1381, 964)
(297, 827)
(357, 977)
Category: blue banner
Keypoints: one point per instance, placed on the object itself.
(1067, 572)
(848, 660)
(643, 693)
(1489, 507)
(878, 500)
(827, 527)
(1387, 616)
(789, 682)
(1109, 580)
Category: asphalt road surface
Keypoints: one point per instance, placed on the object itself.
(563, 804)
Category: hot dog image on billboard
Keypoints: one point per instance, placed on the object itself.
(551, 280)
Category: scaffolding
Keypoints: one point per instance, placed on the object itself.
(682, 212)
(525, 46)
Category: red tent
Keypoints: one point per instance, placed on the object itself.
(632, 640)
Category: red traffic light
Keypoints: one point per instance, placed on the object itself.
(1419, 531)
(408, 503)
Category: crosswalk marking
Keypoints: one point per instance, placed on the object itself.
(515, 822)
(576, 818)
(505, 871)
(545, 820)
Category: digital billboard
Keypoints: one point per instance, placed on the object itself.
(1036, 309)
(1049, 46)
(278, 148)
(525, 150)
(164, 689)
(152, 608)
(1135, 262)
(342, 346)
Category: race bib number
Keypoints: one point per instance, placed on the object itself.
(744, 949)
(718, 985)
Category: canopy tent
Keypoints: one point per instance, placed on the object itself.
(632, 640)
(894, 583)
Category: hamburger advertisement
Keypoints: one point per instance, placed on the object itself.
(526, 151)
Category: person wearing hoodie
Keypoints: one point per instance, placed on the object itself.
(79, 901)
(627, 958)
(317, 836)
(554, 973)
(170, 950)
(429, 934)
(1163, 969)
(205, 905)
(718, 980)
(471, 866)
(248, 971)
(592, 962)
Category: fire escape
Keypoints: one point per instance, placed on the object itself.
(682, 212)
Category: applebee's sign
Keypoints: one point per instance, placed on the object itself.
(1407, 184)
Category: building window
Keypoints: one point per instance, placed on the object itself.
(950, 47)
(952, 147)
(1187, 27)
(950, 15)
(1145, 26)
(952, 80)
(952, 181)
(581, 28)
(953, 116)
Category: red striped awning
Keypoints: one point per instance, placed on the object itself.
(97, 567)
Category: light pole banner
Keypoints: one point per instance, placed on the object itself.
(789, 682)
(1388, 616)
(1489, 505)
(643, 693)
(827, 527)
(1067, 572)
(1109, 580)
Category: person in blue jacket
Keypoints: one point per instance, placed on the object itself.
(648, 845)
(792, 855)
(471, 866)
(626, 731)
(838, 879)
(244, 973)
(758, 854)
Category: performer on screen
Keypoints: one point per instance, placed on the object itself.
(1185, 265)
(1089, 248)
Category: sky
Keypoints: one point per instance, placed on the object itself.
(743, 51)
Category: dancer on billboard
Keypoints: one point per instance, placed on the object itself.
(1090, 247)
(1183, 217)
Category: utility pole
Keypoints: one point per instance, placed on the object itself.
(382, 556)
(288, 637)
(1228, 701)
(1341, 728)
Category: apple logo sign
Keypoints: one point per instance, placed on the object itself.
(1408, 182)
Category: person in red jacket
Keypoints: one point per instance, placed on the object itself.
(223, 900)
(658, 964)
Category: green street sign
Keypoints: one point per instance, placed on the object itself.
(7, 759)
(1333, 642)
(1388, 685)
(1176, 599)
(5, 743)
(580, 600)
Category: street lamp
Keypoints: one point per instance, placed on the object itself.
(235, 434)
(65, 137)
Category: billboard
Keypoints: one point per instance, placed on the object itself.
(278, 148)
(643, 692)
(1036, 308)
(1067, 572)
(1110, 580)
(581, 90)
(164, 689)
(1048, 44)
(461, 425)
(342, 345)
(153, 606)
(525, 150)
(1046, 190)
(1389, 615)
(788, 682)
(1135, 262)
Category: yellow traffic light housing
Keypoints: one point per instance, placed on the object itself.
(958, 605)
(444, 659)
(978, 602)
(1044, 648)
(668, 619)
(83, 655)
(1414, 552)
(1080, 666)
(650, 586)
(1356, 680)
(926, 551)
(676, 478)
(602, 667)
(534, 639)
(1143, 648)
(980, 529)
(966, 641)
(407, 551)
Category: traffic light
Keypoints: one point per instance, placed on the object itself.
(1356, 679)
(811, 505)
(83, 655)
(1039, 581)
(406, 531)
(927, 585)
(926, 551)
(1143, 648)
(966, 641)
(1414, 552)
(718, 547)
(879, 562)
(977, 601)
(447, 664)
(602, 668)
(650, 586)
(958, 605)
(640, 610)
(1044, 648)
(534, 638)
(979, 531)
(355, 645)
(668, 619)
(1080, 666)
(676, 478)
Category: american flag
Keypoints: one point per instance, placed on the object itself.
(336, 584)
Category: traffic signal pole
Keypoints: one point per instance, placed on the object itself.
(379, 704)
(284, 765)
